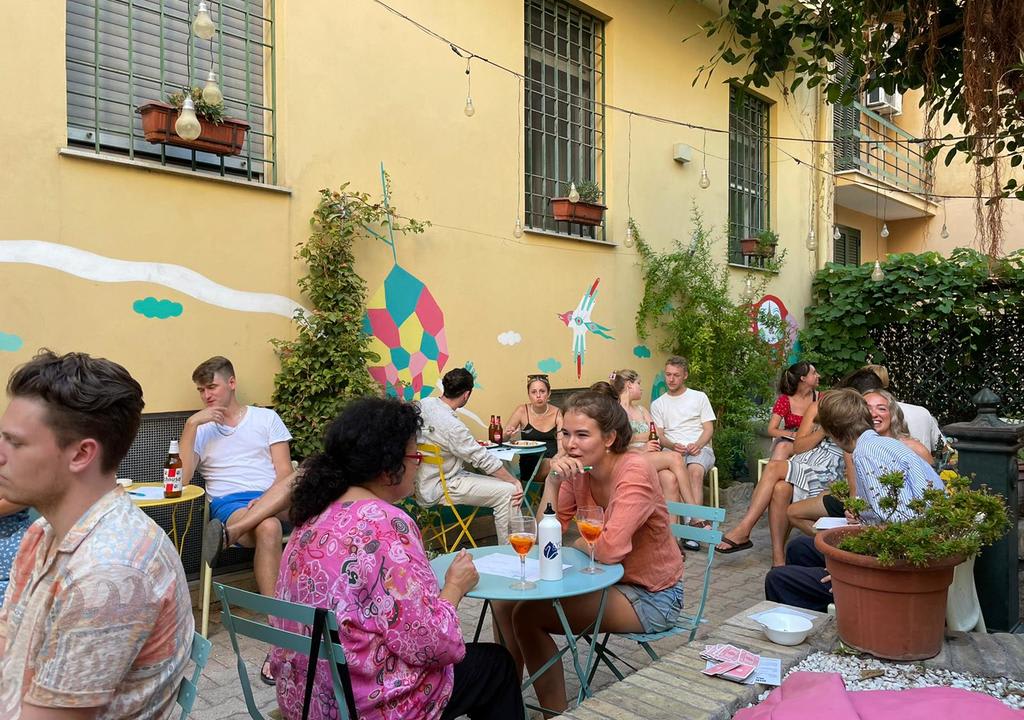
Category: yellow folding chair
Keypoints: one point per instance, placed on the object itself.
(432, 456)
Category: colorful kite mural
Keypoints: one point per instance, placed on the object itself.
(578, 321)
(406, 328)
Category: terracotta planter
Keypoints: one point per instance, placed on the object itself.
(225, 139)
(583, 213)
(753, 247)
(895, 612)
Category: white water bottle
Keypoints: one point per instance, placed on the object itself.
(549, 540)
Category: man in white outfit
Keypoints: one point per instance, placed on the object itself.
(497, 489)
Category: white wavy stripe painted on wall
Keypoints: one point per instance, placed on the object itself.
(91, 266)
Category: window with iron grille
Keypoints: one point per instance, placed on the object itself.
(846, 248)
(748, 171)
(564, 71)
(121, 54)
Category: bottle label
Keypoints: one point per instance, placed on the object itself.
(172, 480)
(551, 551)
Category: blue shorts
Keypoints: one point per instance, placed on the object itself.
(658, 611)
(222, 507)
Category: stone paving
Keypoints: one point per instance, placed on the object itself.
(737, 582)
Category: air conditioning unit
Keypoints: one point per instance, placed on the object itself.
(883, 103)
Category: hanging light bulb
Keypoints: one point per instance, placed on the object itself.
(836, 235)
(812, 240)
(187, 125)
(705, 181)
(945, 232)
(574, 194)
(748, 289)
(517, 231)
(877, 275)
(211, 93)
(202, 26)
(629, 236)
(469, 109)
(885, 231)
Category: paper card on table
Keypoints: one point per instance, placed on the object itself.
(748, 658)
(504, 454)
(758, 617)
(768, 672)
(739, 673)
(146, 493)
(827, 523)
(729, 653)
(719, 668)
(508, 566)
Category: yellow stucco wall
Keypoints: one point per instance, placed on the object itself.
(357, 86)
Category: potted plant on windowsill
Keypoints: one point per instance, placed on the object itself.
(586, 210)
(890, 580)
(761, 245)
(220, 135)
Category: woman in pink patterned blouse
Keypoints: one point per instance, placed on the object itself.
(356, 553)
(797, 391)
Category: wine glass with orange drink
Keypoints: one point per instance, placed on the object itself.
(522, 535)
(590, 521)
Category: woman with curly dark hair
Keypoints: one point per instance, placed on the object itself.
(356, 553)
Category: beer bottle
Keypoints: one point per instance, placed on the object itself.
(498, 435)
(172, 472)
(490, 430)
(654, 433)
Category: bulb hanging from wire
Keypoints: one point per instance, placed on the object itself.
(836, 235)
(574, 194)
(517, 231)
(211, 92)
(812, 240)
(885, 231)
(628, 242)
(469, 109)
(202, 26)
(748, 289)
(705, 181)
(187, 125)
(877, 274)
(945, 232)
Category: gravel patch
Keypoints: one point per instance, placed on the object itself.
(866, 673)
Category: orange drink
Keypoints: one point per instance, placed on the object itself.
(590, 521)
(589, 530)
(521, 542)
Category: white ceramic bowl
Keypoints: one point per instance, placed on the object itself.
(125, 482)
(786, 629)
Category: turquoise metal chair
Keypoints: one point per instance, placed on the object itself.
(684, 623)
(189, 685)
(231, 599)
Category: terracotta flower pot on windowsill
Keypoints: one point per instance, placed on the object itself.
(581, 212)
(158, 120)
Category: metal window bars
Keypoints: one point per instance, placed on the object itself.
(748, 171)
(564, 117)
(122, 53)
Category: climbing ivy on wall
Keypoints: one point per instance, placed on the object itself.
(944, 327)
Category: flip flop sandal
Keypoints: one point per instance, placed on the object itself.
(735, 546)
(691, 545)
(265, 675)
(215, 539)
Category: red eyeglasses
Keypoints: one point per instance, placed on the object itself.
(417, 456)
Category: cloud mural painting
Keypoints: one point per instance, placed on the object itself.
(510, 337)
(10, 343)
(642, 351)
(549, 366)
(159, 309)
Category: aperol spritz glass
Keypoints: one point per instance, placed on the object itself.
(590, 521)
(522, 535)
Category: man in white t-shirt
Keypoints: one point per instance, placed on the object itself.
(242, 453)
(685, 423)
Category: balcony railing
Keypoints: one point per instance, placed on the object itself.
(871, 144)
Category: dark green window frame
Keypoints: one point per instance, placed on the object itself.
(564, 112)
(749, 171)
(846, 248)
(123, 53)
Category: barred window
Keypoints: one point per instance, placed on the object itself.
(124, 53)
(748, 170)
(564, 49)
(846, 248)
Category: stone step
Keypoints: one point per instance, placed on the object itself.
(985, 655)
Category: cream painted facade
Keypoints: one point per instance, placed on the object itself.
(356, 86)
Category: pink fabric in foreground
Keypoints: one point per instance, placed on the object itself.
(812, 696)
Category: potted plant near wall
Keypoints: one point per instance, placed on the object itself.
(219, 134)
(890, 580)
(761, 245)
(581, 204)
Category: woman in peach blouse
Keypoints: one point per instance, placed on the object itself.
(596, 433)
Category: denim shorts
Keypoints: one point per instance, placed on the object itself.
(657, 611)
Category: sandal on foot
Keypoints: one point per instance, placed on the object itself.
(734, 546)
(215, 539)
(265, 675)
(691, 545)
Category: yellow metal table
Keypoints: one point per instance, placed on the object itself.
(189, 494)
